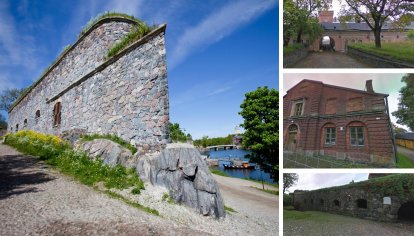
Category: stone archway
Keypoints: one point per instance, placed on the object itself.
(406, 211)
(327, 43)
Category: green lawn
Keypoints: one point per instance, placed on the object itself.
(291, 161)
(315, 216)
(404, 161)
(403, 51)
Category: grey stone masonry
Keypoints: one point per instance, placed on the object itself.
(126, 95)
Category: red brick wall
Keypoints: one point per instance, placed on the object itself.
(377, 146)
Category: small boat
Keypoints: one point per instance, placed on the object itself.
(241, 165)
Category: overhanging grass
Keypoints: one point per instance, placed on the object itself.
(111, 137)
(403, 51)
(404, 161)
(137, 33)
(291, 48)
(60, 155)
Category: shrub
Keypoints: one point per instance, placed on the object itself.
(59, 154)
(287, 200)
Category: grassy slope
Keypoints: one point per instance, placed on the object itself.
(404, 161)
(403, 51)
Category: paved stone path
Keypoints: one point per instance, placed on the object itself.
(344, 226)
(330, 60)
(36, 200)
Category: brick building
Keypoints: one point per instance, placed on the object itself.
(344, 123)
(344, 33)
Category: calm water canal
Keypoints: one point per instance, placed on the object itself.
(256, 174)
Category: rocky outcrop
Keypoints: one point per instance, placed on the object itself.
(180, 168)
(109, 152)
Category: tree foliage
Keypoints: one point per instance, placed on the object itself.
(289, 179)
(3, 123)
(300, 18)
(8, 97)
(205, 141)
(376, 12)
(405, 112)
(177, 135)
(260, 110)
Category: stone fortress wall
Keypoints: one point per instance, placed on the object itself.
(363, 200)
(125, 95)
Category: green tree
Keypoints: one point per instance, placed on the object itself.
(405, 112)
(8, 97)
(177, 135)
(375, 13)
(3, 123)
(260, 110)
(289, 179)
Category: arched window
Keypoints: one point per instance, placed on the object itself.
(37, 114)
(337, 203)
(25, 123)
(57, 114)
(17, 127)
(362, 203)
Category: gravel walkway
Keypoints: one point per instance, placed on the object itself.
(35, 200)
(330, 60)
(343, 226)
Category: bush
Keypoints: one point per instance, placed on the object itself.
(287, 200)
(59, 154)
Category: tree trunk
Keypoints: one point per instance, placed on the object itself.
(377, 34)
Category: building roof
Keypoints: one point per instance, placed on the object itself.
(337, 87)
(407, 136)
(357, 26)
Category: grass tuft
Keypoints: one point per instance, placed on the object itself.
(166, 197)
(111, 137)
(229, 209)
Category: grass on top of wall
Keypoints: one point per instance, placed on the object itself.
(59, 154)
(291, 48)
(111, 137)
(403, 51)
(137, 33)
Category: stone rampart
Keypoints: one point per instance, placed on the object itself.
(125, 95)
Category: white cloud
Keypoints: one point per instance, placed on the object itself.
(217, 26)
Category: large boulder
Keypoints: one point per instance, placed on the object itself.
(108, 151)
(180, 168)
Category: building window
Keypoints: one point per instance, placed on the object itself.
(297, 108)
(57, 114)
(17, 127)
(356, 136)
(321, 201)
(362, 203)
(337, 203)
(25, 123)
(330, 136)
(37, 114)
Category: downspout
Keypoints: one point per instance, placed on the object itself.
(392, 131)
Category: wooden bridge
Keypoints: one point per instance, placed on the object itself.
(223, 147)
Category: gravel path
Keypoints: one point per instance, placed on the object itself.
(330, 60)
(35, 200)
(343, 225)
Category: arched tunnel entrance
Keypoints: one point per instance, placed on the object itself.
(327, 43)
(406, 211)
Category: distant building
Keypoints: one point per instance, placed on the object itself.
(405, 139)
(344, 123)
(344, 33)
(237, 139)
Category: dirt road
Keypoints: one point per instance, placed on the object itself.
(36, 200)
(330, 60)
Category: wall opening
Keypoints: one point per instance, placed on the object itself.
(25, 123)
(321, 201)
(57, 114)
(362, 203)
(337, 203)
(37, 114)
(406, 211)
(17, 127)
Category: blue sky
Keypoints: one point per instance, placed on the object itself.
(217, 50)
